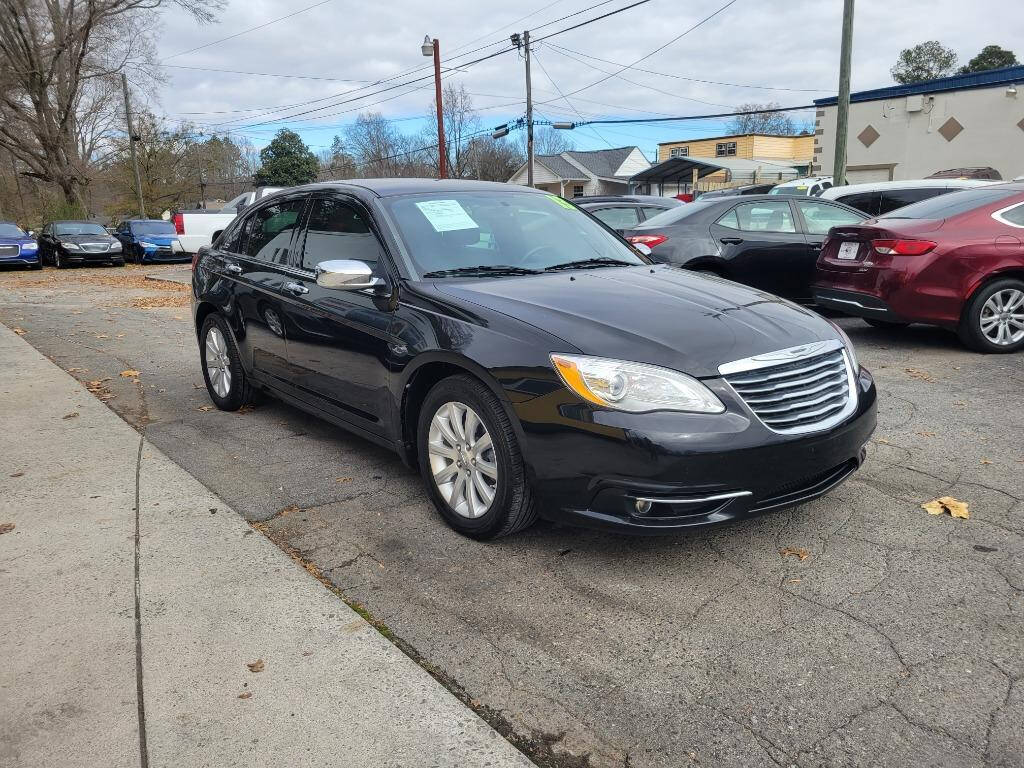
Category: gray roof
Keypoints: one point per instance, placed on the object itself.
(600, 162)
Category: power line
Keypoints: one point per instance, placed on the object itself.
(251, 29)
(563, 49)
(682, 118)
(267, 74)
(571, 105)
(596, 18)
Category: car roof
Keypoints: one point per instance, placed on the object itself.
(803, 181)
(147, 221)
(75, 221)
(671, 202)
(881, 186)
(403, 186)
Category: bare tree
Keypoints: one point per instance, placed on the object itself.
(493, 159)
(379, 149)
(460, 122)
(548, 141)
(57, 59)
(775, 123)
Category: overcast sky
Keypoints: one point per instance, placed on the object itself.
(341, 45)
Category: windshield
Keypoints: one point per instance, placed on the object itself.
(10, 230)
(77, 228)
(800, 190)
(153, 228)
(675, 215)
(944, 206)
(514, 232)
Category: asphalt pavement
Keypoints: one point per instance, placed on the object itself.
(854, 630)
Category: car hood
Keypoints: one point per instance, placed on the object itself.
(659, 315)
(86, 239)
(15, 240)
(162, 239)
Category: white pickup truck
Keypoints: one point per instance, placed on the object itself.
(199, 227)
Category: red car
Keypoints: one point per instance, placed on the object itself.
(955, 261)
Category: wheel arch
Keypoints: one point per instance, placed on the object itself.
(1011, 272)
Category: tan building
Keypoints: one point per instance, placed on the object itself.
(794, 151)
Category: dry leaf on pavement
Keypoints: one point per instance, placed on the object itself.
(799, 552)
(70, 415)
(288, 510)
(343, 480)
(255, 666)
(130, 374)
(205, 408)
(17, 474)
(947, 504)
(19, 331)
(6, 527)
(246, 695)
(916, 374)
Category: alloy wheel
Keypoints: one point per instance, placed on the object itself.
(462, 459)
(1002, 317)
(218, 364)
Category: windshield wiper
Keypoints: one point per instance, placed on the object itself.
(488, 270)
(600, 261)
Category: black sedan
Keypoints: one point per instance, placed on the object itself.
(63, 243)
(525, 359)
(767, 242)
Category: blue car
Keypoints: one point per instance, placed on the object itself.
(150, 240)
(18, 247)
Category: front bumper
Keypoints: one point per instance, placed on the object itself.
(692, 469)
(89, 257)
(25, 258)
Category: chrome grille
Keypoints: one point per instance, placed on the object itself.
(803, 389)
(95, 247)
(9, 250)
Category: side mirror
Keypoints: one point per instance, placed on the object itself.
(645, 250)
(347, 275)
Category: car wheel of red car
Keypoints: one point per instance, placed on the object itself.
(993, 320)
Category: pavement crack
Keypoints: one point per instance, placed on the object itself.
(139, 691)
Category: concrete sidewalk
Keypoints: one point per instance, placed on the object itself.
(100, 604)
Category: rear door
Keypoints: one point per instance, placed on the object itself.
(255, 259)
(761, 243)
(338, 341)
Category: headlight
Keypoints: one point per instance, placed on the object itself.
(71, 246)
(144, 244)
(30, 246)
(849, 348)
(116, 246)
(633, 387)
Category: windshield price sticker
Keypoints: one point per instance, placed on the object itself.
(446, 215)
(561, 201)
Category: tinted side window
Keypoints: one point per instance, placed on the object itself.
(337, 230)
(1014, 215)
(269, 231)
(233, 239)
(650, 211)
(618, 218)
(767, 216)
(891, 199)
(821, 217)
(953, 204)
(862, 201)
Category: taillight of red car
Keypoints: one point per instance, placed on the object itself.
(649, 240)
(903, 247)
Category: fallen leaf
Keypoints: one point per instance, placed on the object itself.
(926, 433)
(205, 408)
(246, 409)
(6, 527)
(246, 695)
(78, 370)
(985, 461)
(947, 504)
(343, 480)
(255, 666)
(17, 474)
(289, 510)
(914, 373)
(70, 415)
(19, 331)
(798, 552)
(130, 374)
(793, 581)
(102, 336)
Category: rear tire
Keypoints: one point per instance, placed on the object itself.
(486, 460)
(888, 324)
(993, 320)
(226, 381)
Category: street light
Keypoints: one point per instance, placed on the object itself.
(432, 48)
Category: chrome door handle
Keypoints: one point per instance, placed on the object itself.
(233, 269)
(297, 288)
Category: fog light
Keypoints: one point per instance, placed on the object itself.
(643, 506)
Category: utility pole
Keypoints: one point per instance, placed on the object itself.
(433, 48)
(132, 138)
(843, 103)
(529, 111)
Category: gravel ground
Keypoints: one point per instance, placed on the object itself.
(889, 637)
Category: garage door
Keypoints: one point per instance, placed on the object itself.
(866, 175)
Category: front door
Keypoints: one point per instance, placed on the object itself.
(255, 259)
(760, 242)
(338, 340)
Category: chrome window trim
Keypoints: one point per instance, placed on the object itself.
(792, 355)
(998, 216)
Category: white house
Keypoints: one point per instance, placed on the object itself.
(912, 131)
(574, 174)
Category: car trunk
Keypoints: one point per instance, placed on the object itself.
(852, 249)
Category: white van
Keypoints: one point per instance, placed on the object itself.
(880, 197)
(811, 186)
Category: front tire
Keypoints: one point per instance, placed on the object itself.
(471, 462)
(226, 381)
(993, 321)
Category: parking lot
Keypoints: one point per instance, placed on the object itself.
(854, 630)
